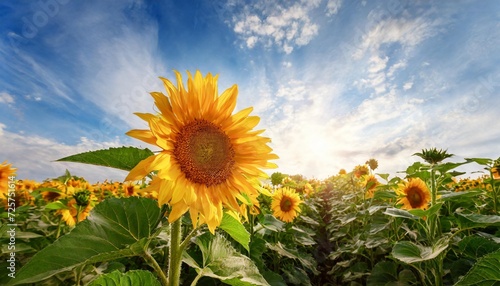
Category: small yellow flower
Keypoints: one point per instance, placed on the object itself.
(130, 189)
(6, 171)
(361, 170)
(370, 183)
(69, 215)
(78, 208)
(414, 193)
(495, 172)
(286, 204)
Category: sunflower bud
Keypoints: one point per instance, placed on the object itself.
(372, 163)
(433, 156)
(82, 198)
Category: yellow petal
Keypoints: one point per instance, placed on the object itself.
(143, 135)
(162, 102)
(177, 211)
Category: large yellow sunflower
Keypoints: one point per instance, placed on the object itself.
(209, 157)
(286, 204)
(415, 194)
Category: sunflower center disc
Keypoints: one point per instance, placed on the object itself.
(204, 152)
(286, 204)
(414, 197)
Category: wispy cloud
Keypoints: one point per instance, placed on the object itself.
(6, 98)
(286, 25)
(34, 157)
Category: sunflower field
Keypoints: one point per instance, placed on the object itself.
(201, 210)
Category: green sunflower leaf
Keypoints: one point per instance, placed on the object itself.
(485, 272)
(134, 277)
(115, 228)
(410, 252)
(236, 230)
(223, 262)
(123, 158)
(477, 220)
(394, 212)
(475, 246)
(480, 161)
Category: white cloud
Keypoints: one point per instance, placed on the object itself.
(280, 25)
(294, 90)
(34, 157)
(395, 67)
(332, 7)
(6, 98)
(408, 85)
(407, 32)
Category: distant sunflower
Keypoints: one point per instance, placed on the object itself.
(361, 170)
(415, 194)
(69, 215)
(6, 171)
(495, 171)
(210, 157)
(370, 183)
(286, 204)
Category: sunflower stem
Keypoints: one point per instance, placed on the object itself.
(151, 261)
(494, 191)
(175, 257)
(432, 219)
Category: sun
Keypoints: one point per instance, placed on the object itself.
(210, 158)
(414, 194)
(286, 204)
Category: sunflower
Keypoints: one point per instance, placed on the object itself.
(78, 207)
(6, 174)
(361, 170)
(209, 157)
(370, 184)
(415, 194)
(286, 204)
(495, 172)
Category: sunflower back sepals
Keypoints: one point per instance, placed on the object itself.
(433, 155)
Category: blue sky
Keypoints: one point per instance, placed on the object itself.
(335, 82)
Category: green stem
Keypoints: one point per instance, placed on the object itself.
(78, 211)
(433, 186)
(175, 257)
(494, 191)
(59, 228)
(433, 218)
(78, 274)
(195, 281)
(151, 261)
(187, 240)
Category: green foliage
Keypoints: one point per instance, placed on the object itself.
(485, 272)
(410, 252)
(115, 228)
(131, 278)
(236, 230)
(123, 158)
(223, 262)
(386, 273)
(341, 237)
(277, 178)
